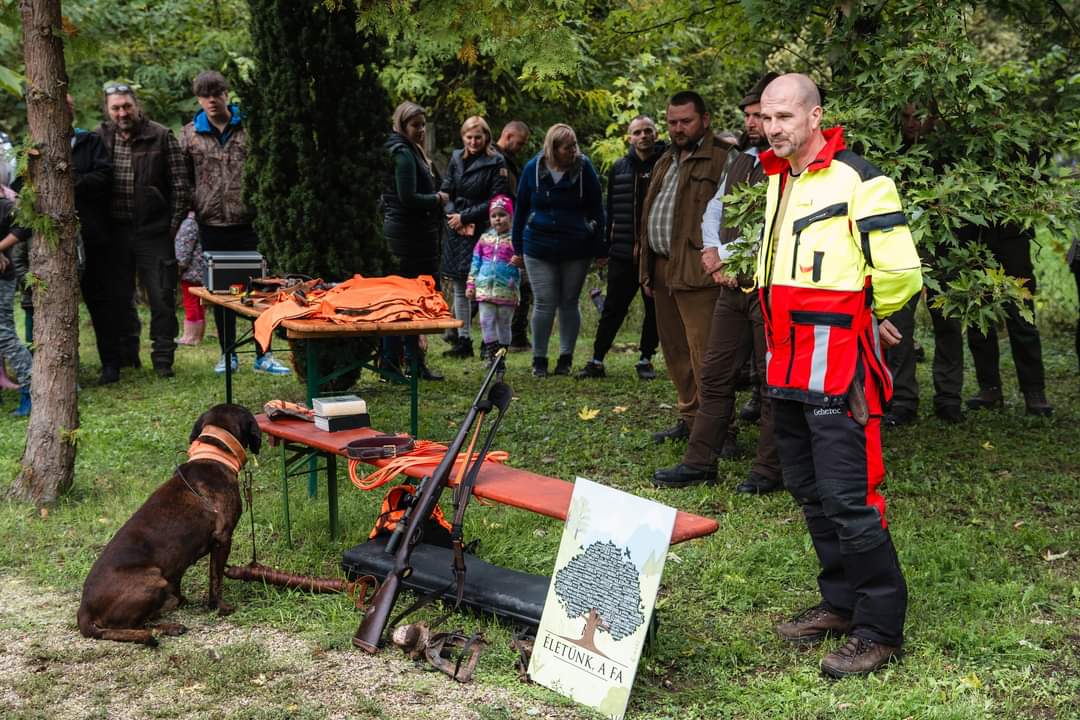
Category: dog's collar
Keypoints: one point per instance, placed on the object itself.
(233, 458)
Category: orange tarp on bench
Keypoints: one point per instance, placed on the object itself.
(496, 482)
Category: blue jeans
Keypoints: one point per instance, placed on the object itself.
(556, 286)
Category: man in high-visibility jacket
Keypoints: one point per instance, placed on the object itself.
(836, 260)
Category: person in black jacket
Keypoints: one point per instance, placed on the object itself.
(106, 300)
(412, 219)
(627, 182)
(477, 172)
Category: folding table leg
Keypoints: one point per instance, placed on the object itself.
(414, 394)
(312, 391)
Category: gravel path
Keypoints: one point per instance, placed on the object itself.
(219, 670)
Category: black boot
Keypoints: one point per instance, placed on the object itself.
(540, 367)
(564, 365)
(462, 348)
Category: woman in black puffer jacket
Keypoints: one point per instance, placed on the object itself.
(412, 218)
(477, 172)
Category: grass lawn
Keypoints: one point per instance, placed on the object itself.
(983, 516)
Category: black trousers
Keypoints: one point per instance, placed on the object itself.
(622, 286)
(519, 325)
(407, 266)
(108, 284)
(833, 466)
(1014, 255)
(154, 259)
(901, 358)
(237, 238)
(948, 365)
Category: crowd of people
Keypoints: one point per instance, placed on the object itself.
(824, 328)
(822, 331)
(148, 206)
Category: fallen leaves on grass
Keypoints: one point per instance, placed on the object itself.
(1050, 556)
(587, 413)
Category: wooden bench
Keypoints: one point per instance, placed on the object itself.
(496, 482)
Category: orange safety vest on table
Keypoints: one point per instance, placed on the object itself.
(358, 299)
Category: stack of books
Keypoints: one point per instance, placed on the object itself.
(340, 412)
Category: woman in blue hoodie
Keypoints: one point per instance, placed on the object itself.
(558, 229)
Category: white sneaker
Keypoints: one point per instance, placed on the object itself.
(220, 367)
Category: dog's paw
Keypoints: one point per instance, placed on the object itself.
(223, 608)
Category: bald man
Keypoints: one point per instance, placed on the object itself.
(836, 260)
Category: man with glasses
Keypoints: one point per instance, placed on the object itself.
(149, 200)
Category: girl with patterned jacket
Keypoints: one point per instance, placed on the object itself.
(494, 278)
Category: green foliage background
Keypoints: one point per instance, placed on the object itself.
(1002, 76)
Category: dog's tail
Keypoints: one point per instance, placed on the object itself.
(89, 629)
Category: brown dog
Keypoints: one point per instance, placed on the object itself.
(138, 574)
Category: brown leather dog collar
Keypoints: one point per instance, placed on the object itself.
(234, 458)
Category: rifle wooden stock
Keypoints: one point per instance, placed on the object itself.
(369, 634)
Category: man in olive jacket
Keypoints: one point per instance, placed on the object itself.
(683, 181)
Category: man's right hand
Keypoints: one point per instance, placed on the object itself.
(722, 279)
(710, 260)
(4, 263)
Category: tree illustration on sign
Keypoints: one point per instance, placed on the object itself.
(601, 584)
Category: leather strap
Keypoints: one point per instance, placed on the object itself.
(378, 447)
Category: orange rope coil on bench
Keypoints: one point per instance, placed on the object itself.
(425, 455)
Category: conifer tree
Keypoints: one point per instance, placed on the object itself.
(317, 117)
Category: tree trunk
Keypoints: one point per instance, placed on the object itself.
(48, 462)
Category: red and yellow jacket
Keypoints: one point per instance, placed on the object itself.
(842, 259)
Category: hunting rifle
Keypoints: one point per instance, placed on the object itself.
(409, 529)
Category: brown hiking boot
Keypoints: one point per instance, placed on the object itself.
(859, 656)
(813, 625)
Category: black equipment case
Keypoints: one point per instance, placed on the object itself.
(231, 267)
(511, 595)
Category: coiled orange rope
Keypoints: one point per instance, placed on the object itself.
(425, 456)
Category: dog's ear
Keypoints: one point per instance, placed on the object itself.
(252, 433)
(196, 429)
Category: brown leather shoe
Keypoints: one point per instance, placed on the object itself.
(813, 625)
(859, 656)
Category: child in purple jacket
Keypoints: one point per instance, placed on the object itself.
(494, 279)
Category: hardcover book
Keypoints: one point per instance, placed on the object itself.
(338, 405)
(342, 422)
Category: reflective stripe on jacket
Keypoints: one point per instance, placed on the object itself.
(842, 259)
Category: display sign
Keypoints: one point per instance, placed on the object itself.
(601, 596)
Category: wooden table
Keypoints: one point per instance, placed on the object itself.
(314, 330)
(496, 482)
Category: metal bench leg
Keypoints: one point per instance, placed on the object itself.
(331, 493)
(285, 495)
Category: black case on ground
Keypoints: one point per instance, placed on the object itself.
(511, 595)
